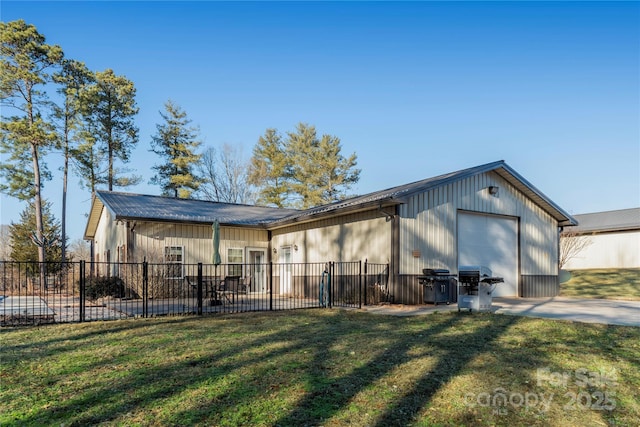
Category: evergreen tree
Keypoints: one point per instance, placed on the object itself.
(109, 108)
(25, 64)
(302, 171)
(90, 163)
(25, 242)
(270, 170)
(72, 78)
(305, 162)
(176, 143)
(336, 173)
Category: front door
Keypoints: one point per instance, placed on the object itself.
(257, 269)
(285, 260)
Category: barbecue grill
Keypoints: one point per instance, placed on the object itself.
(439, 286)
(475, 285)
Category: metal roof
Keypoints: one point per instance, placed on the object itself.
(618, 220)
(397, 195)
(126, 206)
(158, 208)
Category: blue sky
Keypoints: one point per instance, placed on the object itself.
(415, 89)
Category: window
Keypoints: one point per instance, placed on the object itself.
(235, 260)
(173, 256)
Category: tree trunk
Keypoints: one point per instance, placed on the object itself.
(38, 208)
(64, 209)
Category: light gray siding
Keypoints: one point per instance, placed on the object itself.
(428, 224)
(620, 249)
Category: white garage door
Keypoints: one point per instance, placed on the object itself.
(490, 241)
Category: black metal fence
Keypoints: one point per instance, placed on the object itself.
(35, 293)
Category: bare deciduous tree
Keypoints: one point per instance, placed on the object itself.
(80, 250)
(571, 244)
(225, 176)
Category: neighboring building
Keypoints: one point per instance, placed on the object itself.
(613, 240)
(486, 215)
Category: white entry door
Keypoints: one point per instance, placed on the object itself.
(285, 269)
(490, 241)
(257, 269)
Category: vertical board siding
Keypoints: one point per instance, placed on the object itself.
(152, 238)
(428, 225)
(539, 286)
(108, 236)
(354, 237)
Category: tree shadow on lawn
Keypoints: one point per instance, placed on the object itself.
(114, 398)
(325, 399)
(223, 378)
(66, 342)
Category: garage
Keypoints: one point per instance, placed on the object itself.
(490, 241)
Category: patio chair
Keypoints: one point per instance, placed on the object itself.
(230, 287)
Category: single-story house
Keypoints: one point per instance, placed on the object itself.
(612, 240)
(486, 215)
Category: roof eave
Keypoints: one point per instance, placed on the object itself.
(518, 181)
(94, 217)
(362, 207)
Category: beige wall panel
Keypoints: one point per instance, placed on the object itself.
(152, 238)
(356, 237)
(107, 237)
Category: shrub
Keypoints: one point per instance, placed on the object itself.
(98, 287)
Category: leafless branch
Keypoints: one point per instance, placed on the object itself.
(571, 244)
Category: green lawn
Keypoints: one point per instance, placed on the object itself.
(603, 283)
(321, 367)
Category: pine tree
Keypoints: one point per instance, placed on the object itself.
(109, 109)
(25, 242)
(336, 173)
(24, 68)
(72, 78)
(270, 170)
(302, 171)
(176, 143)
(303, 151)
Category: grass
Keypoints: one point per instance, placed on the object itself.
(321, 367)
(603, 283)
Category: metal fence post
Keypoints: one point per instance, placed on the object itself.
(145, 288)
(330, 283)
(360, 284)
(82, 283)
(366, 280)
(270, 285)
(199, 289)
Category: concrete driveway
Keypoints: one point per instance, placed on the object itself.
(611, 312)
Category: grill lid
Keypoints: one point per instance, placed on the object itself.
(477, 273)
(478, 270)
(435, 272)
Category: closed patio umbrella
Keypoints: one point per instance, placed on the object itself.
(216, 243)
(215, 258)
